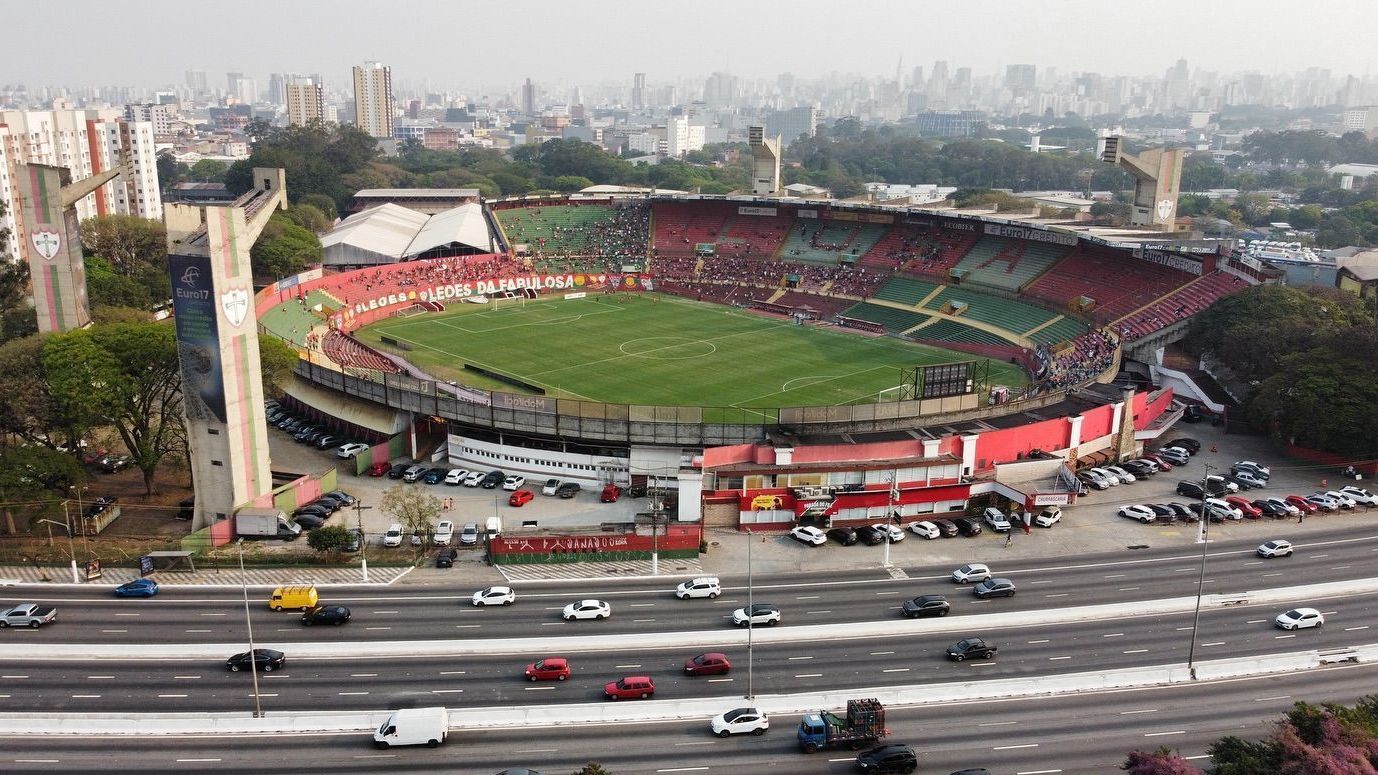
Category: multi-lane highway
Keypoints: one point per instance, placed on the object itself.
(1083, 734)
(191, 615)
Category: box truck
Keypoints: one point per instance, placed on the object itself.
(253, 522)
(413, 726)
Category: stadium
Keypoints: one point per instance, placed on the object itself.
(616, 337)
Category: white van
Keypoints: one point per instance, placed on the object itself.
(394, 535)
(413, 726)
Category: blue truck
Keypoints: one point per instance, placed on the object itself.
(863, 725)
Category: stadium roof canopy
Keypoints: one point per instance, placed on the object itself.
(462, 226)
(377, 235)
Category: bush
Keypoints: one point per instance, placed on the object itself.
(328, 538)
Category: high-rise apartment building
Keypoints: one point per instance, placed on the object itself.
(160, 116)
(196, 82)
(1021, 79)
(790, 125)
(529, 98)
(85, 142)
(373, 99)
(720, 90)
(639, 91)
(305, 102)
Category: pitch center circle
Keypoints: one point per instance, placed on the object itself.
(667, 348)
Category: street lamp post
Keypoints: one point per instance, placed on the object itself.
(750, 606)
(249, 623)
(1201, 578)
(363, 537)
(71, 548)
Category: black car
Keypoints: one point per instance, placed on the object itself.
(304, 435)
(970, 648)
(1192, 446)
(1190, 490)
(329, 504)
(636, 491)
(309, 521)
(885, 759)
(326, 614)
(434, 476)
(266, 660)
(926, 605)
(843, 535)
(1138, 468)
(968, 526)
(186, 508)
(339, 497)
(492, 479)
(567, 490)
(1182, 512)
(1162, 510)
(446, 558)
(315, 510)
(1272, 510)
(398, 469)
(869, 535)
(947, 527)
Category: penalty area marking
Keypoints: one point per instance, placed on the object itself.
(808, 381)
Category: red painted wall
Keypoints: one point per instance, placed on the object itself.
(1003, 446)
(1096, 422)
(1146, 412)
(676, 536)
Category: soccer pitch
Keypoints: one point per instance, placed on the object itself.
(661, 350)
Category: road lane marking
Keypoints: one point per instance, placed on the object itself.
(99, 676)
(792, 659)
(352, 694)
(452, 672)
(810, 613)
(1288, 635)
(896, 670)
(383, 612)
(196, 630)
(1115, 576)
(1160, 734)
(463, 626)
(214, 613)
(809, 675)
(1135, 712)
(636, 621)
(1045, 640)
(1256, 621)
(1037, 772)
(13, 676)
(113, 631)
(683, 769)
(1126, 589)
(1360, 627)
(86, 696)
(720, 680)
(540, 688)
(1135, 651)
(1113, 635)
(1012, 747)
(1043, 581)
(1270, 699)
(363, 675)
(807, 597)
(622, 667)
(1051, 659)
(1059, 594)
(186, 677)
(1214, 643)
(447, 691)
(995, 723)
(1183, 629)
(537, 750)
(881, 653)
(170, 696)
(377, 628)
(36, 761)
(189, 761)
(137, 614)
(641, 605)
(698, 742)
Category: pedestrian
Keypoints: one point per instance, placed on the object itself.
(1301, 514)
(1009, 540)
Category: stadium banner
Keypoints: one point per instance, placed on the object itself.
(1033, 235)
(196, 317)
(1173, 260)
(647, 284)
(579, 295)
(924, 222)
(959, 225)
(1251, 262)
(756, 211)
(554, 282)
(523, 403)
(705, 248)
(806, 214)
(845, 215)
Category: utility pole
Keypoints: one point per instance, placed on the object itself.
(1201, 579)
(750, 606)
(249, 622)
(359, 508)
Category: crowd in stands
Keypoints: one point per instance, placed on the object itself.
(1086, 357)
(848, 279)
(1180, 305)
(393, 278)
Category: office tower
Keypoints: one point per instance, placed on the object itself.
(790, 125)
(305, 102)
(1020, 79)
(529, 98)
(639, 91)
(196, 81)
(373, 99)
(720, 90)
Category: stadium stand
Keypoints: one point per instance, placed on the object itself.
(753, 236)
(1085, 357)
(830, 241)
(615, 232)
(952, 331)
(1060, 331)
(1005, 263)
(291, 320)
(824, 306)
(1119, 284)
(894, 320)
(1179, 305)
(905, 290)
(361, 285)
(679, 226)
(1008, 314)
(349, 352)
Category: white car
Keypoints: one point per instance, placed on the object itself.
(926, 529)
(513, 482)
(1174, 455)
(551, 485)
(494, 596)
(1291, 509)
(444, 530)
(1299, 619)
(455, 476)
(706, 586)
(1345, 501)
(1275, 548)
(1142, 513)
(1359, 495)
(740, 721)
(473, 478)
(394, 535)
(1124, 475)
(761, 613)
(347, 451)
(1049, 516)
(971, 572)
(1224, 508)
(809, 535)
(1263, 472)
(996, 519)
(1152, 464)
(892, 532)
(1106, 476)
(586, 609)
(1323, 501)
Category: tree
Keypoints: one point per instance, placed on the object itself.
(106, 288)
(309, 217)
(28, 410)
(412, 507)
(39, 478)
(1237, 756)
(276, 359)
(591, 769)
(209, 170)
(127, 242)
(170, 171)
(328, 538)
(284, 248)
(16, 315)
(1159, 762)
(568, 184)
(323, 203)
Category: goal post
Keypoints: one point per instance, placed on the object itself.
(896, 393)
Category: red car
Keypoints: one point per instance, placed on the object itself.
(548, 669)
(631, 687)
(1250, 510)
(611, 493)
(712, 663)
(378, 469)
(520, 496)
(1306, 506)
(1163, 464)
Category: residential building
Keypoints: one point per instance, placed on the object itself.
(373, 99)
(639, 91)
(792, 124)
(160, 116)
(529, 98)
(305, 102)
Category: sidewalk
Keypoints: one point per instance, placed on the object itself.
(254, 577)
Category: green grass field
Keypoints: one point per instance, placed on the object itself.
(661, 350)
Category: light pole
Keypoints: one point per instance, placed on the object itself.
(363, 537)
(1201, 579)
(248, 621)
(750, 606)
(655, 543)
(71, 548)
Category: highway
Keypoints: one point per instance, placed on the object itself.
(1084, 734)
(193, 615)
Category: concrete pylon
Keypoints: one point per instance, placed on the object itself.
(217, 344)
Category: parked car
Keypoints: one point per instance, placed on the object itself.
(1275, 548)
(996, 519)
(1111, 479)
(378, 469)
(631, 687)
(434, 476)
(326, 614)
(520, 497)
(1359, 495)
(1163, 463)
(971, 572)
(1247, 509)
(567, 490)
(704, 586)
(994, 588)
(1135, 511)
(740, 721)
(1345, 501)
(393, 536)
(413, 473)
(474, 478)
(468, 535)
(137, 588)
(398, 469)
(455, 476)
(513, 482)
(947, 527)
(891, 532)
(1270, 509)
(1139, 468)
(586, 609)
(843, 535)
(1183, 512)
(493, 596)
(761, 613)
(265, 660)
(1190, 490)
(969, 526)
(1174, 455)
(926, 605)
(445, 558)
(551, 485)
(548, 669)
(493, 479)
(1122, 473)
(1162, 511)
(1224, 508)
(971, 648)
(309, 521)
(1191, 445)
(1094, 481)
(925, 529)
(610, 493)
(344, 498)
(808, 535)
(1049, 516)
(708, 663)
(1257, 469)
(1302, 505)
(1299, 619)
(327, 440)
(1220, 481)
(1323, 501)
(869, 535)
(444, 531)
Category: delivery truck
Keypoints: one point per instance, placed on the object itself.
(413, 726)
(863, 726)
(251, 522)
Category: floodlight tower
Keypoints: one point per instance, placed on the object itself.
(765, 156)
(1157, 181)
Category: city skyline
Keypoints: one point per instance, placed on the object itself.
(872, 39)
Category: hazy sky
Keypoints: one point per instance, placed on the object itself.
(467, 44)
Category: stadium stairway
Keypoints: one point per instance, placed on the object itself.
(776, 295)
(1019, 339)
